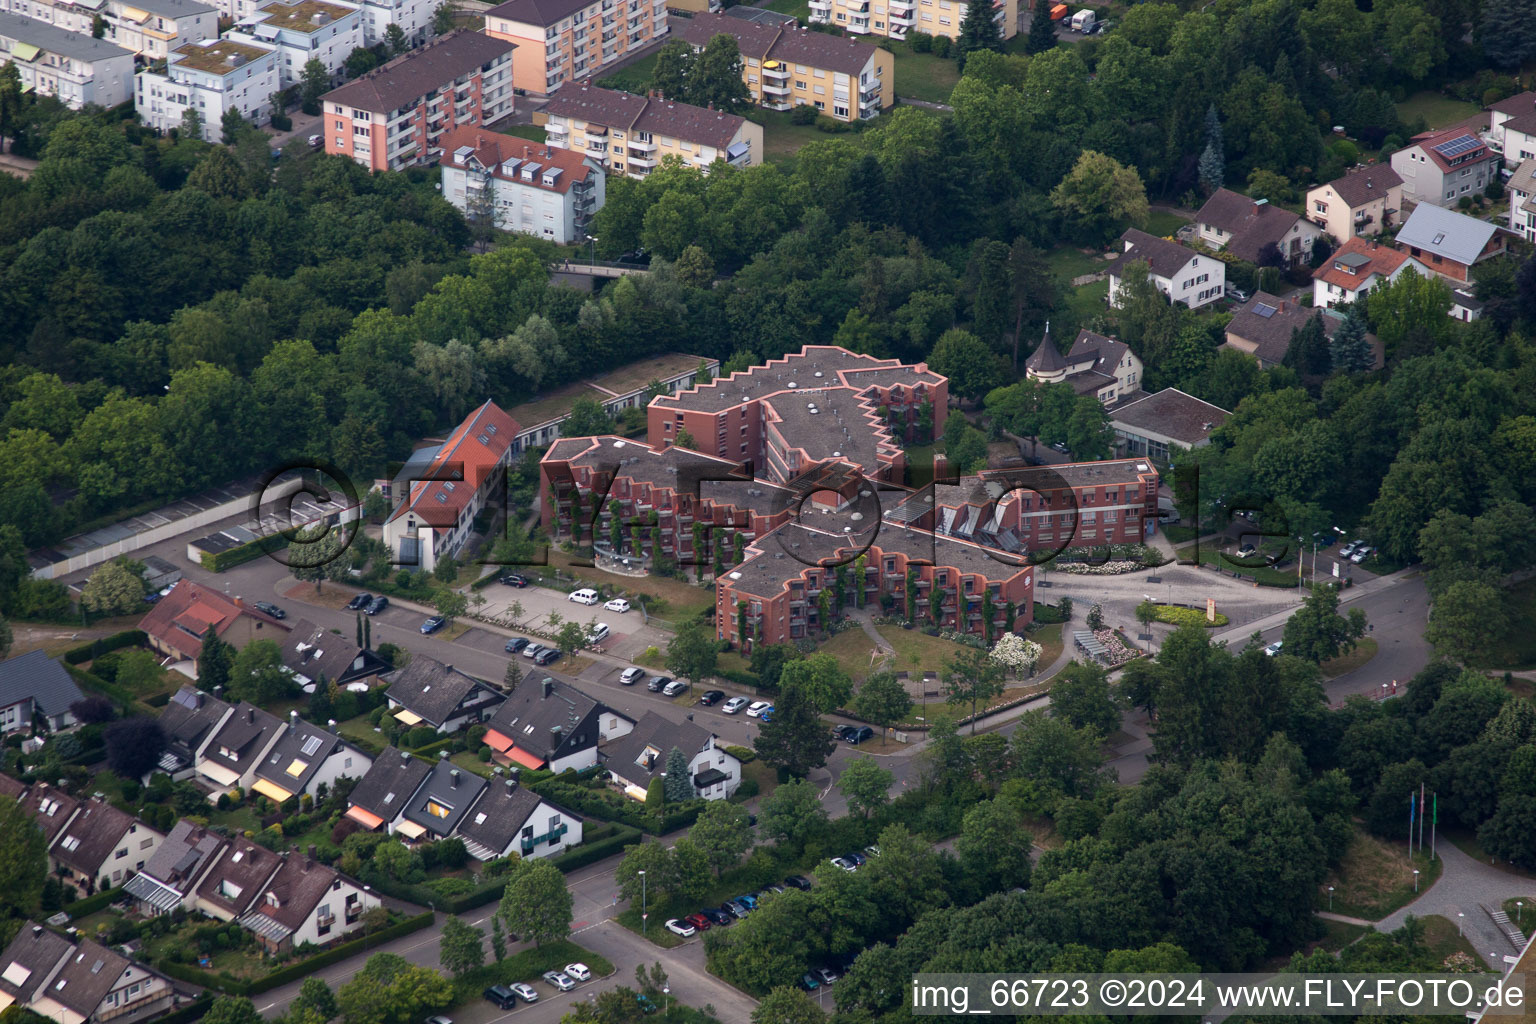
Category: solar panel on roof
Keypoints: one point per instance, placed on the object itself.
(1459, 145)
(1265, 310)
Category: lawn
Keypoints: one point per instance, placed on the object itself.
(782, 139)
(527, 966)
(1436, 109)
(362, 732)
(799, 8)
(1069, 261)
(1516, 649)
(1364, 651)
(1210, 554)
(767, 778)
(634, 78)
(1049, 638)
(526, 131)
(1163, 224)
(1517, 914)
(922, 76)
(1444, 940)
(1375, 878)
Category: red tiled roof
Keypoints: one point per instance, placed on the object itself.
(472, 450)
(492, 150)
(1429, 140)
(1383, 260)
(181, 617)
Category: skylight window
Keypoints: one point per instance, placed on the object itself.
(311, 745)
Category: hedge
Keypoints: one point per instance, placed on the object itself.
(96, 648)
(90, 681)
(91, 904)
(591, 853)
(228, 559)
(740, 678)
(1188, 617)
(430, 750)
(193, 1011)
(746, 755)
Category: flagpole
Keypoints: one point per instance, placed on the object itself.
(1410, 824)
(1432, 825)
(1421, 817)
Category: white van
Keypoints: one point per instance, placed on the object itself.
(584, 596)
(598, 633)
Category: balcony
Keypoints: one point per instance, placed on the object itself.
(776, 88)
(647, 145)
(821, 9)
(868, 89)
(552, 836)
(858, 25)
(597, 146)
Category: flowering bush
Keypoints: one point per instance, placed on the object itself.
(1107, 569)
(1187, 617)
(968, 639)
(1015, 653)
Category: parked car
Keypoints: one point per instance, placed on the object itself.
(655, 683)
(861, 734)
(844, 865)
(578, 972)
(1349, 549)
(548, 656)
(527, 993)
(775, 888)
(682, 928)
(584, 596)
(736, 910)
(377, 605)
(560, 981)
(432, 625)
(1236, 294)
(699, 921)
(512, 579)
(503, 997)
(873, 851)
(1247, 551)
(1060, 447)
(271, 609)
(631, 676)
(359, 602)
(618, 604)
(808, 982)
(733, 705)
(438, 1019)
(711, 697)
(826, 975)
(757, 707)
(598, 633)
(532, 651)
(1361, 554)
(856, 859)
(516, 644)
(843, 732)
(674, 688)
(717, 916)
(750, 899)
(799, 882)
(767, 714)
(1274, 648)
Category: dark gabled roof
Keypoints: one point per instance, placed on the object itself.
(1268, 322)
(40, 677)
(89, 973)
(13, 788)
(246, 732)
(431, 689)
(390, 783)
(653, 114)
(187, 719)
(1104, 351)
(452, 789)
(410, 76)
(1466, 299)
(91, 836)
(500, 815)
(784, 43)
(1172, 413)
(27, 961)
(1252, 223)
(294, 892)
(537, 12)
(297, 755)
(1163, 258)
(536, 709)
(1046, 358)
(240, 876)
(313, 652)
(51, 808)
(659, 734)
(185, 853)
(1521, 103)
(1365, 184)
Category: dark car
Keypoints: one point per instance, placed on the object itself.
(377, 605)
(432, 625)
(501, 996)
(359, 602)
(548, 656)
(843, 732)
(512, 579)
(858, 859)
(861, 734)
(717, 916)
(635, 256)
(271, 609)
(798, 882)
(516, 644)
(808, 982)
(709, 697)
(656, 683)
(735, 908)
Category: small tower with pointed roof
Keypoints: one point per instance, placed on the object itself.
(1045, 363)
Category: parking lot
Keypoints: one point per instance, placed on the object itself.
(628, 635)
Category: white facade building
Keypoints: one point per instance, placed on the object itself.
(302, 30)
(413, 16)
(69, 65)
(209, 77)
(526, 187)
(151, 28)
(1179, 273)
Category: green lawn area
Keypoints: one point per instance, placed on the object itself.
(923, 76)
(1516, 649)
(1211, 555)
(522, 131)
(799, 8)
(527, 966)
(1375, 878)
(360, 731)
(781, 139)
(1364, 651)
(1163, 224)
(932, 653)
(1049, 639)
(1443, 940)
(633, 78)
(1338, 934)
(1436, 110)
(1517, 914)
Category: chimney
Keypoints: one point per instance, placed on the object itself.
(218, 691)
(405, 755)
(453, 778)
(198, 699)
(250, 716)
(330, 724)
(293, 721)
(37, 931)
(511, 785)
(311, 851)
(442, 755)
(549, 687)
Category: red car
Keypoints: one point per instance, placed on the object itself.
(699, 921)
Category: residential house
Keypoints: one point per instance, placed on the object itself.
(641, 755)
(1450, 243)
(1180, 273)
(189, 720)
(435, 510)
(1440, 167)
(522, 186)
(177, 623)
(12, 788)
(301, 31)
(1157, 424)
(312, 654)
(1096, 365)
(1262, 327)
(380, 798)
(630, 134)
(1246, 228)
(51, 808)
(148, 28)
(786, 66)
(559, 41)
(307, 904)
(236, 749)
(209, 77)
(236, 880)
(427, 692)
(1512, 128)
(510, 820)
(307, 759)
(895, 18)
(395, 115)
(171, 878)
(552, 725)
(78, 982)
(413, 16)
(1522, 200)
(439, 806)
(1365, 201)
(1465, 305)
(101, 847)
(1357, 267)
(73, 67)
(35, 688)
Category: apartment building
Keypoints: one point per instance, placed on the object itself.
(786, 66)
(1440, 167)
(71, 66)
(1512, 126)
(895, 18)
(395, 116)
(413, 16)
(150, 28)
(519, 185)
(303, 30)
(210, 77)
(625, 387)
(559, 41)
(630, 134)
(1180, 273)
(1365, 201)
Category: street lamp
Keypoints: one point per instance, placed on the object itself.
(1415, 879)
(1330, 899)
(643, 914)
(593, 240)
(1519, 913)
(666, 990)
(1460, 916)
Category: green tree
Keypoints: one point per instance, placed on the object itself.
(994, 847)
(232, 125)
(723, 831)
(715, 79)
(461, 948)
(973, 369)
(1213, 159)
(192, 124)
(443, 18)
(1317, 632)
(116, 588)
(570, 638)
(650, 861)
(1349, 350)
(315, 1002)
(1410, 315)
(1081, 695)
(685, 440)
(218, 173)
(23, 860)
(787, 1005)
(1308, 352)
(12, 101)
(677, 785)
(865, 784)
(391, 990)
(1042, 30)
(315, 553)
(795, 741)
(819, 679)
(257, 673)
(214, 661)
(978, 31)
(792, 814)
(232, 1010)
(587, 418)
(673, 70)
(1101, 197)
(513, 678)
(972, 677)
(498, 940)
(314, 82)
(693, 652)
(536, 904)
(450, 604)
(394, 38)
(360, 61)
(690, 870)
(1466, 619)
(1063, 759)
(882, 701)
